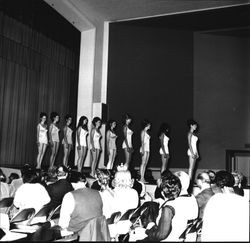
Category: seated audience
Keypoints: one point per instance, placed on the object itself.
(58, 189)
(203, 182)
(31, 194)
(211, 174)
(226, 215)
(238, 177)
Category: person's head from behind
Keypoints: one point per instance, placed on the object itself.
(13, 176)
(78, 179)
(203, 179)
(52, 174)
(211, 174)
(122, 178)
(31, 176)
(25, 169)
(224, 179)
(185, 181)
(171, 187)
(238, 178)
(62, 172)
(103, 177)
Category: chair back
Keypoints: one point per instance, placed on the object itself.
(42, 215)
(6, 202)
(113, 217)
(23, 215)
(127, 214)
(55, 213)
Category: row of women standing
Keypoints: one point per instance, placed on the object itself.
(82, 132)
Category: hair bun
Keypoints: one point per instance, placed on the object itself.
(122, 167)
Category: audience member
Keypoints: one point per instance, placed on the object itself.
(203, 182)
(238, 177)
(158, 191)
(4, 189)
(222, 178)
(52, 175)
(77, 179)
(125, 197)
(170, 190)
(186, 208)
(81, 208)
(226, 215)
(31, 194)
(58, 189)
(106, 192)
(13, 176)
(16, 183)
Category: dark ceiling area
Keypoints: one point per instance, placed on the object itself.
(233, 21)
(53, 25)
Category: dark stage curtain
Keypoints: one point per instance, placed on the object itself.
(36, 74)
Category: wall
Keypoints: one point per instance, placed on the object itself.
(220, 96)
(150, 75)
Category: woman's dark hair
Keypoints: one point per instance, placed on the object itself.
(95, 120)
(145, 123)
(81, 124)
(126, 117)
(67, 117)
(42, 114)
(224, 178)
(110, 122)
(75, 176)
(164, 128)
(171, 186)
(191, 122)
(53, 114)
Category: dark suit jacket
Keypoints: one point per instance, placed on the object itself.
(57, 190)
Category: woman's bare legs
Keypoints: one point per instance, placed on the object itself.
(164, 164)
(191, 166)
(54, 150)
(94, 159)
(67, 151)
(144, 162)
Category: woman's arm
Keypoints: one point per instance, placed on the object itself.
(142, 141)
(162, 143)
(78, 137)
(164, 227)
(50, 136)
(107, 140)
(37, 133)
(189, 144)
(91, 139)
(65, 135)
(125, 135)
